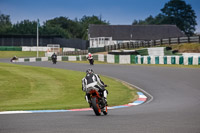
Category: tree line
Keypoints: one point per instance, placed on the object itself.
(175, 12)
(62, 26)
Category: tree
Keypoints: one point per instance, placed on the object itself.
(62, 26)
(5, 23)
(181, 14)
(147, 21)
(25, 27)
(175, 12)
(85, 21)
(56, 30)
(70, 28)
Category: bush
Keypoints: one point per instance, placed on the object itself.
(168, 48)
(175, 51)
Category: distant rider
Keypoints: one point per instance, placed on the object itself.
(90, 58)
(13, 58)
(92, 79)
(54, 57)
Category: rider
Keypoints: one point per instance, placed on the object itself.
(89, 56)
(13, 58)
(54, 56)
(92, 79)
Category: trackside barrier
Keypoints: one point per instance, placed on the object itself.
(125, 59)
(180, 60)
(59, 58)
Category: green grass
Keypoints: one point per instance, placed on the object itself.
(9, 54)
(39, 88)
(187, 47)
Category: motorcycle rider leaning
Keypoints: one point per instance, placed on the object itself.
(92, 79)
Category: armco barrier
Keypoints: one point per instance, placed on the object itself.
(125, 59)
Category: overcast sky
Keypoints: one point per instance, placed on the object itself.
(121, 12)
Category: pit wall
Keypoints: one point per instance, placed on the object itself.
(125, 59)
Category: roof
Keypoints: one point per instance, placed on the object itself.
(135, 32)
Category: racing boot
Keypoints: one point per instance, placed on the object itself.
(88, 100)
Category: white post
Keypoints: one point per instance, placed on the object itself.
(37, 36)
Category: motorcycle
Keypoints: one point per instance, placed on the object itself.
(98, 102)
(13, 59)
(91, 60)
(54, 60)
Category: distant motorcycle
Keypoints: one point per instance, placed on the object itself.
(98, 104)
(13, 59)
(54, 60)
(91, 60)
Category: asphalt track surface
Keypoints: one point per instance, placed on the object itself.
(175, 107)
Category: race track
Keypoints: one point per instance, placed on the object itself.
(175, 107)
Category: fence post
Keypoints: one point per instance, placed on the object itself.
(178, 40)
(154, 42)
(169, 41)
(160, 41)
(199, 39)
(141, 44)
(188, 39)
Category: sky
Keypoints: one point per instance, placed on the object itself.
(117, 12)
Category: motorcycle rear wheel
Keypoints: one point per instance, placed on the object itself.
(95, 106)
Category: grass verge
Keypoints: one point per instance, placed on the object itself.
(10, 54)
(39, 88)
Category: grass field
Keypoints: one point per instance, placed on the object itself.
(39, 88)
(10, 54)
(187, 47)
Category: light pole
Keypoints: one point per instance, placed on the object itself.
(37, 36)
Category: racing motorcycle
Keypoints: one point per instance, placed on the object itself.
(98, 102)
(54, 60)
(13, 59)
(91, 60)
